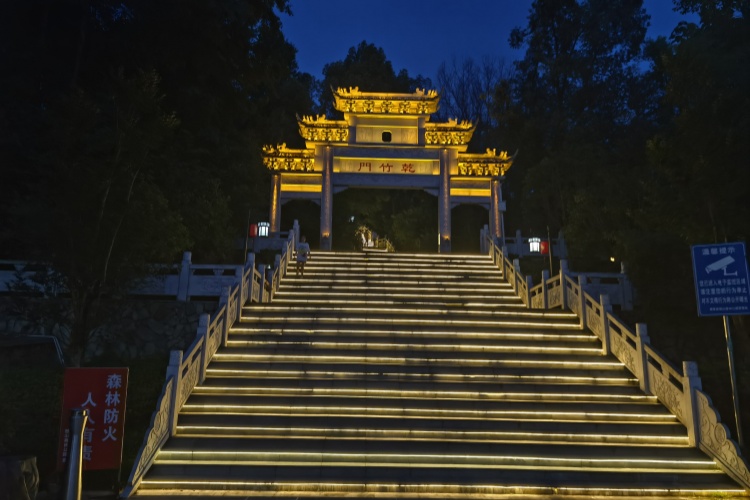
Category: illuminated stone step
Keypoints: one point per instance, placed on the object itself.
(438, 309)
(413, 277)
(368, 434)
(412, 316)
(514, 360)
(446, 388)
(371, 391)
(398, 374)
(298, 483)
(403, 408)
(379, 429)
(506, 456)
(344, 342)
(468, 305)
(426, 269)
(429, 335)
(354, 296)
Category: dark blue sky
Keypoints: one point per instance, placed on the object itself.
(418, 35)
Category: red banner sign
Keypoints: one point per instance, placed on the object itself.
(102, 392)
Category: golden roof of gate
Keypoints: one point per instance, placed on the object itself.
(351, 100)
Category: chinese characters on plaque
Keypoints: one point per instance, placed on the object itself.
(102, 392)
(391, 166)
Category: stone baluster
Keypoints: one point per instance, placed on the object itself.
(174, 370)
(529, 286)
(582, 300)
(642, 340)
(183, 284)
(203, 321)
(606, 309)
(262, 296)
(691, 382)
(563, 291)
(545, 295)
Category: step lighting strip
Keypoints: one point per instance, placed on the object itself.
(212, 371)
(311, 358)
(436, 305)
(499, 323)
(520, 335)
(514, 437)
(241, 457)
(280, 344)
(536, 314)
(427, 413)
(229, 487)
(367, 393)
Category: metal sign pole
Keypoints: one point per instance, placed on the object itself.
(733, 375)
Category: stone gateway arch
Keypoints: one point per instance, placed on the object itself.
(386, 140)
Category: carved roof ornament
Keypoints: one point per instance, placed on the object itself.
(450, 133)
(283, 159)
(489, 164)
(321, 129)
(352, 100)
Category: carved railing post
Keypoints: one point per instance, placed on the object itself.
(227, 321)
(582, 300)
(641, 333)
(563, 287)
(203, 321)
(262, 295)
(545, 295)
(183, 285)
(280, 274)
(691, 382)
(174, 370)
(606, 309)
(529, 286)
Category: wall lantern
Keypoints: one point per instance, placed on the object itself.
(263, 229)
(535, 245)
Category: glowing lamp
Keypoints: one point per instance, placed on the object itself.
(263, 229)
(535, 245)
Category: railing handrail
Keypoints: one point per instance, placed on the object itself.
(187, 370)
(680, 392)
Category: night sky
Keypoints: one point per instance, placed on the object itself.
(419, 35)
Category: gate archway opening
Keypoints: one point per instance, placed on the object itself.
(467, 220)
(307, 213)
(406, 217)
(386, 140)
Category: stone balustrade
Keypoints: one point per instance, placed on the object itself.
(187, 369)
(678, 389)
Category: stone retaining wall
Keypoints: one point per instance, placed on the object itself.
(132, 328)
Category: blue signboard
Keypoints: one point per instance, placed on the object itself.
(721, 279)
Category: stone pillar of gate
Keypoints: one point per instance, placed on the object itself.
(444, 204)
(326, 201)
(497, 207)
(275, 214)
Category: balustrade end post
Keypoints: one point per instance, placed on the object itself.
(582, 300)
(262, 295)
(175, 371)
(606, 306)
(277, 265)
(691, 382)
(642, 339)
(203, 321)
(563, 291)
(529, 286)
(183, 282)
(545, 295)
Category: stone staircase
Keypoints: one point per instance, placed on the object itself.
(421, 376)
